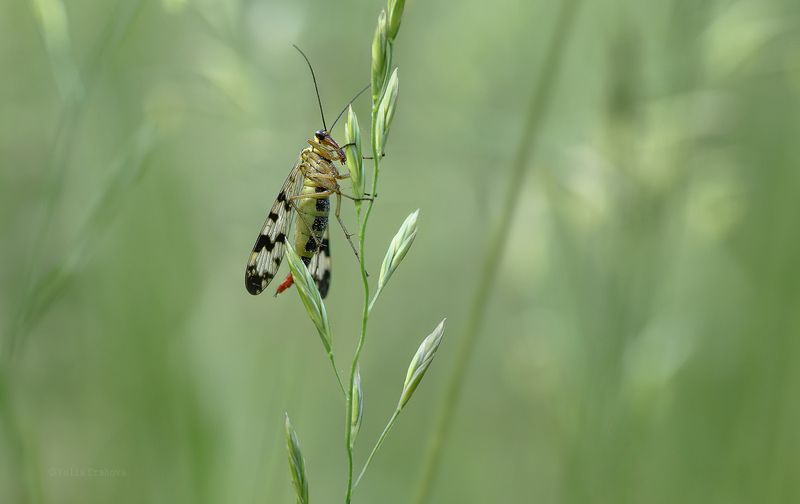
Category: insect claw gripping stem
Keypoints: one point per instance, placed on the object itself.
(348, 235)
(352, 144)
(366, 197)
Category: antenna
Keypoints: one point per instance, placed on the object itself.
(348, 104)
(314, 77)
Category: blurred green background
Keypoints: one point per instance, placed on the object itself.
(641, 341)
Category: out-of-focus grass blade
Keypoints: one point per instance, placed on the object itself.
(48, 284)
(297, 466)
(54, 26)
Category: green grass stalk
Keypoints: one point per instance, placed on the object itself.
(362, 230)
(377, 446)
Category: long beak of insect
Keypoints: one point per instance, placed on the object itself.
(330, 142)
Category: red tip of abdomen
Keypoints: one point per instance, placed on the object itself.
(285, 285)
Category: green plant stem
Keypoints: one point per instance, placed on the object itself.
(362, 229)
(497, 243)
(336, 372)
(377, 446)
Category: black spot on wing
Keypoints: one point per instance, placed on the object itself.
(262, 242)
(253, 285)
(287, 204)
(324, 283)
(254, 282)
(273, 216)
(323, 261)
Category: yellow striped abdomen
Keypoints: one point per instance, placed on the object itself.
(312, 220)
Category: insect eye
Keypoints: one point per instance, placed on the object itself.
(320, 134)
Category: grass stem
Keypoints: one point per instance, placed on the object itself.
(377, 446)
(336, 372)
(362, 229)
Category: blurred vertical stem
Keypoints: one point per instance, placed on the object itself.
(75, 103)
(538, 107)
(75, 98)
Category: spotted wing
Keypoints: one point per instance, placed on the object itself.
(320, 266)
(268, 250)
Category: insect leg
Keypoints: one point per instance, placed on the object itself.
(320, 177)
(341, 176)
(319, 195)
(341, 223)
(354, 198)
(353, 144)
(332, 154)
(366, 197)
